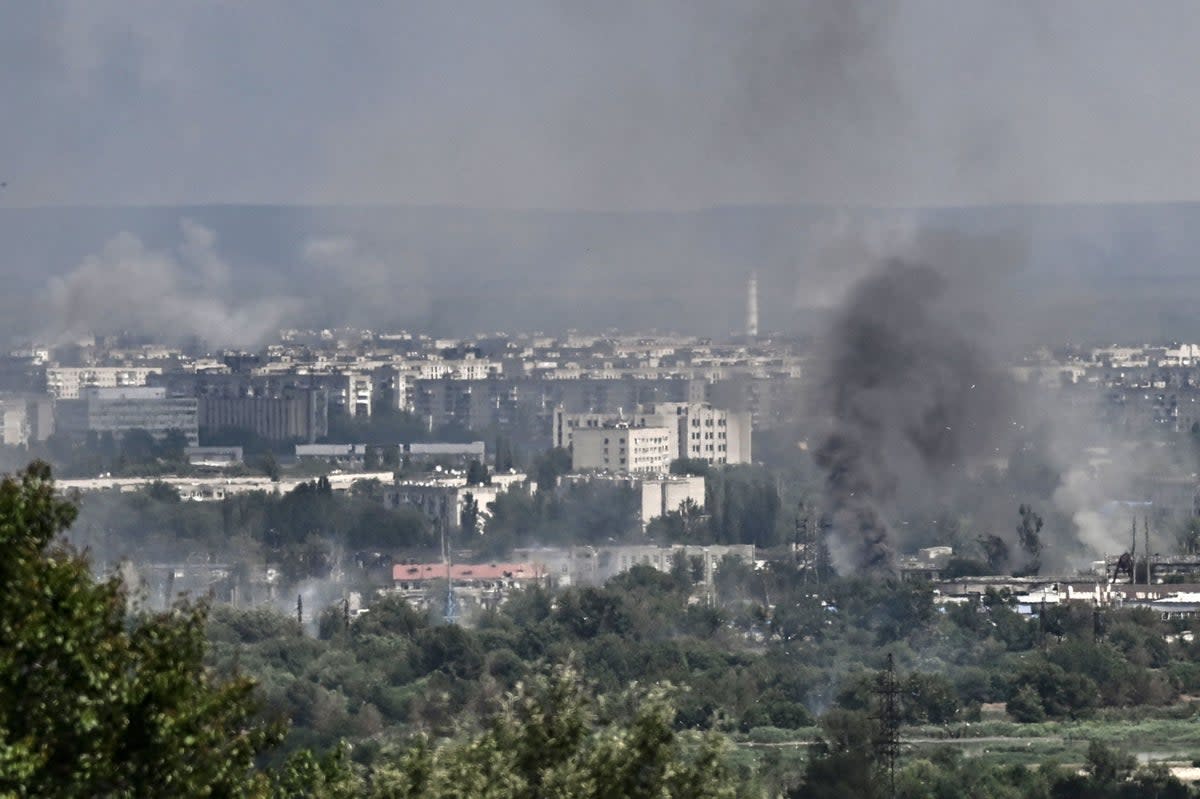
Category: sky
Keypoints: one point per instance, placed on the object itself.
(600, 106)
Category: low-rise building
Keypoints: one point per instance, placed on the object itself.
(475, 585)
(658, 494)
(444, 499)
(214, 456)
(351, 455)
(596, 565)
(444, 451)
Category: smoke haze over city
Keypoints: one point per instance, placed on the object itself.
(690, 399)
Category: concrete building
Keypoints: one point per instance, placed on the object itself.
(622, 449)
(597, 565)
(668, 493)
(68, 382)
(443, 499)
(452, 452)
(293, 415)
(201, 489)
(658, 493)
(119, 410)
(477, 586)
(14, 423)
(700, 431)
(351, 455)
(214, 456)
(25, 419)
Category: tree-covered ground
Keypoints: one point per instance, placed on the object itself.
(780, 673)
(769, 684)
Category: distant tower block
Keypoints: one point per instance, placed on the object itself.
(752, 306)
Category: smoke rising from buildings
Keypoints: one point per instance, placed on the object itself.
(910, 393)
(170, 295)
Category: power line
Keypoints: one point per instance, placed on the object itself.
(888, 743)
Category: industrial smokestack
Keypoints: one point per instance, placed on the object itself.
(752, 306)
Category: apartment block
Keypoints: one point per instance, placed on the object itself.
(119, 410)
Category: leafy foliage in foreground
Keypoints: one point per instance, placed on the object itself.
(93, 703)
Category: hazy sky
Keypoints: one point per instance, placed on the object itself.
(617, 105)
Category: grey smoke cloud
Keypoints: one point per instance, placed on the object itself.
(537, 104)
(171, 295)
(912, 388)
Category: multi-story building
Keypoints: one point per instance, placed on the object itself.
(25, 418)
(622, 448)
(119, 410)
(292, 415)
(14, 423)
(68, 382)
(700, 431)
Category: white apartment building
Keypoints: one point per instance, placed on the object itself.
(67, 382)
(713, 435)
(621, 448)
(700, 431)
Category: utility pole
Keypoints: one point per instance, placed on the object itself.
(889, 722)
(300, 611)
(1146, 541)
(451, 613)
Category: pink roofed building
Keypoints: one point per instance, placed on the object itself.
(478, 585)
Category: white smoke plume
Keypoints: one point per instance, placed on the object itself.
(171, 295)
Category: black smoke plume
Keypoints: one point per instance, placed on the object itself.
(910, 392)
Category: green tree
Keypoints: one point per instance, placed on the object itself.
(1029, 535)
(93, 703)
(470, 517)
(552, 740)
(549, 466)
(1107, 766)
(843, 762)
(477, 474)
(138, 446)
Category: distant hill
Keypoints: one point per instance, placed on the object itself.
(1084, 272)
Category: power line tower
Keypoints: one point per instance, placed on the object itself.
(888, 744)
(451, 614)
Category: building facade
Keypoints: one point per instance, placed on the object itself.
(623, 449)
(293, 415)
(700, 431)
(69, 382)
(119, 410)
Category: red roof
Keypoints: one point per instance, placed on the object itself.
(410, 572)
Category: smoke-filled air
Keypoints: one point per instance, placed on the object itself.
(779, 399)
(911, 394)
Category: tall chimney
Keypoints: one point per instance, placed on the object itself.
(752, 306)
